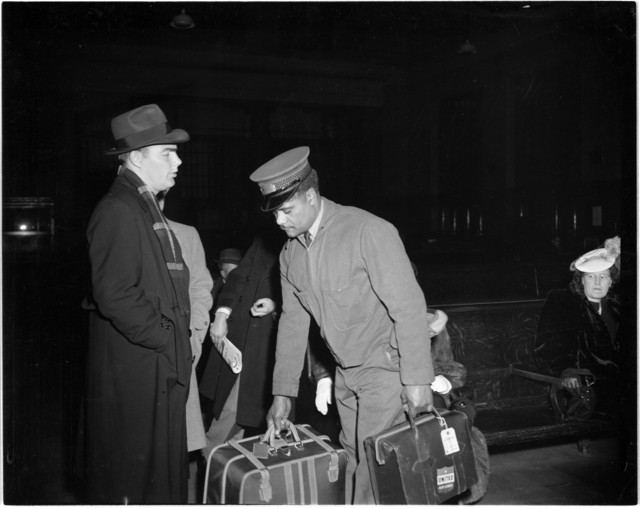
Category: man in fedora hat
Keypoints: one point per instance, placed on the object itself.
(139, 354)
(348, 270)
(228, 260)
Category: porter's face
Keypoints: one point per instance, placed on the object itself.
(296, 215)
(596, 285)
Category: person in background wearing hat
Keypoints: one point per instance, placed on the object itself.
(246, 314)
(347, 269)
(577, 329)
(139, 355)
(229, 260)
(201, 300)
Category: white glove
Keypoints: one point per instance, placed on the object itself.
(441, 385)
(323, 395)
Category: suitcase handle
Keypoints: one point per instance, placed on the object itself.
(412, 420)
(412, 423)
(333, 473)
(277, 445)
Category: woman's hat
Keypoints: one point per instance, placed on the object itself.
(598, 259)
(280, 177)
(230, 256)
(142, 127)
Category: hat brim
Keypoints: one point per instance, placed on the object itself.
(175, 136)
(228, 260)
(272, 201)
(594, 265)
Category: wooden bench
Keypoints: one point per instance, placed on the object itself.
(488, 337)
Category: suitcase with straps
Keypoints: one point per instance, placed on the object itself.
(310, 469)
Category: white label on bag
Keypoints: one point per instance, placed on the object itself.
(445, 479)
(449, 441)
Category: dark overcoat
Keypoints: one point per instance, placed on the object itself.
(138, 363)
(571, 334)
(256, 277)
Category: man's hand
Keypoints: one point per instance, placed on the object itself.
(263, 307)
(278, 416)
(570, 382)
(218, 328)
(417, 398)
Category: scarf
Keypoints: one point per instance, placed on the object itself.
(178, 271)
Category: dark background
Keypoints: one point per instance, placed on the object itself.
(479, 154)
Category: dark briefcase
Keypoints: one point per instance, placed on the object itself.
(310, 469)
(427, 461)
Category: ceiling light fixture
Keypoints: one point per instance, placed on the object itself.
(182, 21)
(466, 48)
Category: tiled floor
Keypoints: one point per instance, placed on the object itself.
(557, 475)
(549, 475)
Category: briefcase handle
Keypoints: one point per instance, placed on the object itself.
(412, 420)
(394, 430)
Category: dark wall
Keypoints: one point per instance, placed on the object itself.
(530, 133)
(538, 122)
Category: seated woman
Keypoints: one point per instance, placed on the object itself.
(576, 338)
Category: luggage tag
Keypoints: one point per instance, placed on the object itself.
(449, 441)
(448, 436)
(261, 450)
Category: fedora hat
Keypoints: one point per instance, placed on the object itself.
(230, 255)
(141, 127)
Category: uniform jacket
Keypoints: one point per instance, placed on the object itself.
(357, 282)
(200, 286)
(135, 404)
(255, 277)
(571, 334)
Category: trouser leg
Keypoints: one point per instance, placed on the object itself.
(368, 401)
(224, 427)
(347, 406)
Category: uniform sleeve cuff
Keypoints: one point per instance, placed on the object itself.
(285, 389)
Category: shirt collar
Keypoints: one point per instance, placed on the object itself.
(313, 230)
(316, 224)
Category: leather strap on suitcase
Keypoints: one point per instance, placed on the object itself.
(277, 447)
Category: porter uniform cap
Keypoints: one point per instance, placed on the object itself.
(280, 177)
(598, 259)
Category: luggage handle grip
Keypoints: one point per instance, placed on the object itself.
(412, 423)
(270, 436)
(333, 472)
(412, 419)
